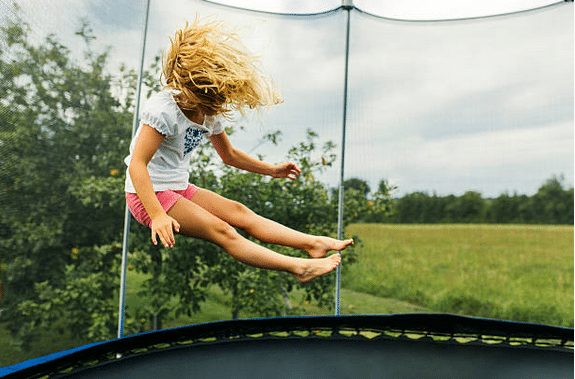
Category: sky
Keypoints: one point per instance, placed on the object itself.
(441, 107)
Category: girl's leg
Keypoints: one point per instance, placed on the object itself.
(199, 223)
(265, 230)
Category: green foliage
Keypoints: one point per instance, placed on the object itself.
(63, 136)
(65, 129)
(83, 300)
(186, 270)
(302, 205)
(360, 205)
(552, 205)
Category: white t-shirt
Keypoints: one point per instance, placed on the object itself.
(170, 165)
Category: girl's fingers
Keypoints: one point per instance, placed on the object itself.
(294, 171)
(288, 170)
(157, 235)
(166, 238)
(164, 229)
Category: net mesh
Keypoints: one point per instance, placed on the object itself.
(443, 107)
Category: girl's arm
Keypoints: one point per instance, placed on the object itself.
(146, 145)
(237, 158)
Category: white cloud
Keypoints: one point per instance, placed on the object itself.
(494, 150)
(418, 91)
(44, 18)
(63, 19)
(514, 160)
(446, 9)
(285, 6)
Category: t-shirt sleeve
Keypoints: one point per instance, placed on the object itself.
(156, 114)
(215, 124)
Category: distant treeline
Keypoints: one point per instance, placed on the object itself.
(552, 204)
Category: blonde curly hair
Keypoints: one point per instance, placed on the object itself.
(214, 71)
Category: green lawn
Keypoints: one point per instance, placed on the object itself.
(515, 272)
(218, 304)
(520, 273)
(50, 342)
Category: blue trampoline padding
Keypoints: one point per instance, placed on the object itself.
(54, 356)
(47, 358)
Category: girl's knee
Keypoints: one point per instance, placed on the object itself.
(224, 232)
(239, 210)
(243, 217)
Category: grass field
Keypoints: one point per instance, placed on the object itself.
(520, 273)
(218, 305)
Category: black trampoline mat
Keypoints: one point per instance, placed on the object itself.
(309, 358)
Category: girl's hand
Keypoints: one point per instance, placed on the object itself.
(286, 170)
(163, 226)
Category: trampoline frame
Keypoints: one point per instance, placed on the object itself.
(425, 328)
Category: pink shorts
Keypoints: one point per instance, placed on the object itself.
(167, 200)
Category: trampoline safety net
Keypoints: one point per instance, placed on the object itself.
(427, 102)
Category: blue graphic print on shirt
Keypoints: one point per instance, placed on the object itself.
(193, 139)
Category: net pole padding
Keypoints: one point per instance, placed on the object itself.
(348, 6)
(127, 218)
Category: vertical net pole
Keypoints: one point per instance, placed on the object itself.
(126, 240)
(348, 6)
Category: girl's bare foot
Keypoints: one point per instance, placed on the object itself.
(312, 268)
(323, 245)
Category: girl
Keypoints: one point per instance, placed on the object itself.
(207, 74)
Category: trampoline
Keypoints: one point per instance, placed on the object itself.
(394, 346)
(390, 346)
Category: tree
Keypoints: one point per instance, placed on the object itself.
(471, 207)
(411, 208)
(65, 129)
(301, 205)
(60, 208)
(380, 205)
(506, 209)
(552, 204)
(359, 185)
(360, 205)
